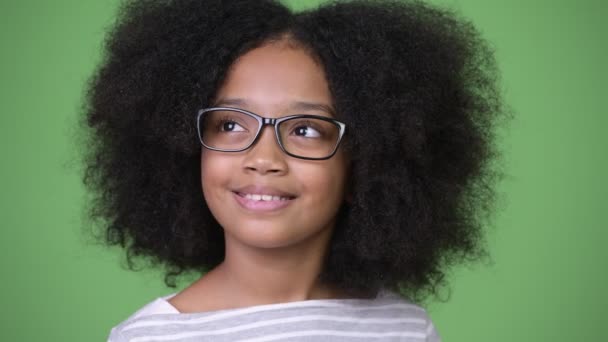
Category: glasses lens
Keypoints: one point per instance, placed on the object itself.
(227, 129)
(309, 137)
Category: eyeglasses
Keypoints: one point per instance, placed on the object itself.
(302, 136)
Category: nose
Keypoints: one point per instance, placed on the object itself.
(265, 156)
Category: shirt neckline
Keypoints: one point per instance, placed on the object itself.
(382, 295)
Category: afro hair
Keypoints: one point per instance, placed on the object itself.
(416, 86)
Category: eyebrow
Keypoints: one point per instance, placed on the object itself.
(230, 103)
(301, 105)
(294, 106)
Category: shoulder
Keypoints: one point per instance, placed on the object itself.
(410, 312)
(158, 306)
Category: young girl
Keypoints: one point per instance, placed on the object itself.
(320, 169)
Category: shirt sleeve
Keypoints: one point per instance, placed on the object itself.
(115, 336)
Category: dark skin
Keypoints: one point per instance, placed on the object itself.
(272, 255)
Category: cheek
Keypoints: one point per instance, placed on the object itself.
(206, 175)
(204, 166)
(326, 183)
(205, 169)
(214, 171)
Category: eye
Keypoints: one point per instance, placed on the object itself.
(306, 131)
(230, 126)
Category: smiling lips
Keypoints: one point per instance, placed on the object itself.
(262, 199)
(266, 198)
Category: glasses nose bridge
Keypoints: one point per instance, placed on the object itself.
(268, 121)
(272, 122)
(264, 121)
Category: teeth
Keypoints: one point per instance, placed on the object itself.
(257, 197)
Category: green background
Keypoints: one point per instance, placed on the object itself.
(547, 279)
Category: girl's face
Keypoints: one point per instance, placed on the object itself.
(273, 81)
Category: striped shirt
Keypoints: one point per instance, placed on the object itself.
(385, 318)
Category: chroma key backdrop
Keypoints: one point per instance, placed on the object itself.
(546, 277)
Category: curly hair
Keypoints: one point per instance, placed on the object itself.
(416, 85)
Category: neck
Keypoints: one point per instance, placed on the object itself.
(254, 275)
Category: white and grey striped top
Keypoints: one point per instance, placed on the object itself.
(385, 318)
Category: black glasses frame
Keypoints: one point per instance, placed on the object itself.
(262, 121)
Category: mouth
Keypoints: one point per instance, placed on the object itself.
(261, 199)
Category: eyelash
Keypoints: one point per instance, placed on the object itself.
(306, 124)
(226, 119)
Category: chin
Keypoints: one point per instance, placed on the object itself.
(264, 236)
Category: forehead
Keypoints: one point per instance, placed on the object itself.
(276, 74)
